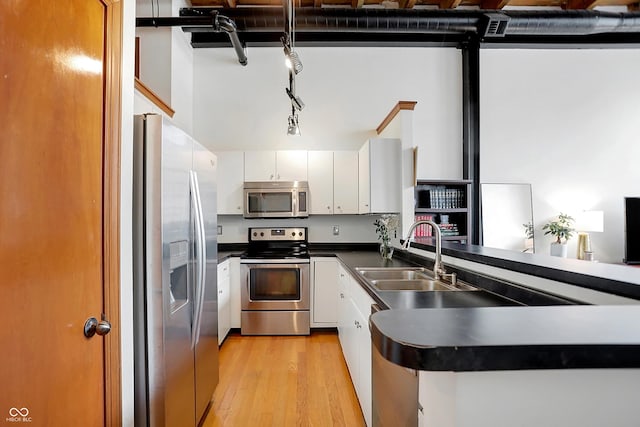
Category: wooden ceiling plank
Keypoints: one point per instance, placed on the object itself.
(583, 4)
(357, 4)
(494, 4)
(450, 4)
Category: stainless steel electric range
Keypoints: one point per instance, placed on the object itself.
(275, 294)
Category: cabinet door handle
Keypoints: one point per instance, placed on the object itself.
(271, 177)
(341, 295)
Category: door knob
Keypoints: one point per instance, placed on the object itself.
(92, 327)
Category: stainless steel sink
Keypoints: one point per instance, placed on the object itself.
(408, 279)
(394, 273)
(410, 285)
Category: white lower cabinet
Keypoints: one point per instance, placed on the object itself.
(224, 313)
(324, 289)
(228, 297)
(235, 283)
(355, 339)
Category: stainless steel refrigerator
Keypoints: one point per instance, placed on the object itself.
(175, 274)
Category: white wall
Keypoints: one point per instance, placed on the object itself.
(565, 121)
(166, 60)
(347, 92)
(353, 228)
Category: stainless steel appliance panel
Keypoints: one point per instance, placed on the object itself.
(275, 286)
(176, 318)
(394, 399)
(276, 199)
(206, 355)
(169, 271)
(275, 322)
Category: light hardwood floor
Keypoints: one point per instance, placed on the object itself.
(283, 381)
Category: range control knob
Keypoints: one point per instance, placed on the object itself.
(262, 234)
(255, 233)
(293, 234)
(300, 234)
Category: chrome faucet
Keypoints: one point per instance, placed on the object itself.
(438, 269)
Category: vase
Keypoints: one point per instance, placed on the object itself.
(386, 251)
(559, 249)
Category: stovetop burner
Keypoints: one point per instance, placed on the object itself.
(277, 243)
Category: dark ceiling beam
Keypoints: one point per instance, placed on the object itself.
(270, 39)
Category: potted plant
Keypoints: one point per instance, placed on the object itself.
(561, 230)
(528, 241)
(384, 226)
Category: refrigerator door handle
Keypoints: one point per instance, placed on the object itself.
(200, 258)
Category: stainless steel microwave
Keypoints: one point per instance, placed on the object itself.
(276, 199)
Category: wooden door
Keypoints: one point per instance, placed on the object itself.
(59, 209)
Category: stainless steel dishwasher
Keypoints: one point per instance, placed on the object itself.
(394, 391)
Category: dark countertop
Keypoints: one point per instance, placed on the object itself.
(224, 255)
(411, 299)
(475, 331)
(617, 279)
(509, 338)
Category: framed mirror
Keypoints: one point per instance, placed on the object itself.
(507, 216)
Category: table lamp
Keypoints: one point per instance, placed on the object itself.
(586, 222)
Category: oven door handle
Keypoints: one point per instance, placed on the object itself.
(267, 261)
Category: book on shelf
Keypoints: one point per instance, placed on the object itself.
(423, 230)
(446, 229)
(445, 198)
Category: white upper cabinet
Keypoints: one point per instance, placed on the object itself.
(275, 165)
(320, 177)
(345, 182)
(259, 165)
(379, 176)
(230, 182)
(333, 182)
(291, 165)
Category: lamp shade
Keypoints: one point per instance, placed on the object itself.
(590, 221)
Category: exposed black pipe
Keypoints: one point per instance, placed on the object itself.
(422, 21)
(227, 25)
(209, 21)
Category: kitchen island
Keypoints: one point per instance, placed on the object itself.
(488, 358)
(494, 365)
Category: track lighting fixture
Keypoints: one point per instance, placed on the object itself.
(294, 64)
(291, 58)
(295, 100)
(293, 129)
